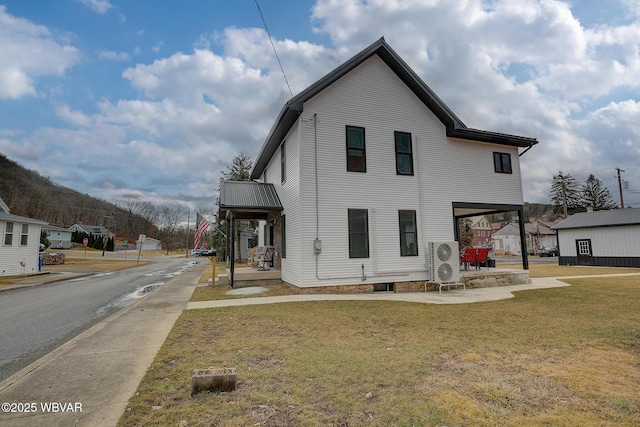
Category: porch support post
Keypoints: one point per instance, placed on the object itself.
(232, 246)
(523, 241)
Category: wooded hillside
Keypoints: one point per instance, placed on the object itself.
(29, 194)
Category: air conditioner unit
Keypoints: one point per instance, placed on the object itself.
(442, 262)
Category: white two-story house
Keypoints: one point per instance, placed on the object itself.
(365, 167)
(20, 244)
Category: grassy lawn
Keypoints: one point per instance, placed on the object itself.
(557, 357)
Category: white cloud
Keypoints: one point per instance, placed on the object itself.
(114, 56)
(27, 52)
(517, 66)
(98, 6)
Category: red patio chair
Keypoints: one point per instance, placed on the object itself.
(468, 256)
(481, 256)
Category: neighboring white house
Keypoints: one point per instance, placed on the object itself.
(608, 238)
(506, 241)
(364, 168)
(20, 244)
(60, 238)
(149, 244)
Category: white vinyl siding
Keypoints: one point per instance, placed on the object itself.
(288, 192)
(316, 199)
(12, 258)
(605, 241)
(372, 97)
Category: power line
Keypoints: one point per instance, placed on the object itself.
(274, 47)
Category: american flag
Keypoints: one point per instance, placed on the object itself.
(201, 226)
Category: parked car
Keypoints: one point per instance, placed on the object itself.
(548, 251)
(203, 252)
(199, 251)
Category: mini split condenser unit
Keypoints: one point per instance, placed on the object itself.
(442, 262)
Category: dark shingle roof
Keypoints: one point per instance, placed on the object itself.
(607, 218)
(248, 196)
(455, 128)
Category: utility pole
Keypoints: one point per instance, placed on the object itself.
(620, 187)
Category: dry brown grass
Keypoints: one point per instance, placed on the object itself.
(562, 357)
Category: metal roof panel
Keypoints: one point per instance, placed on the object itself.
(605, 218)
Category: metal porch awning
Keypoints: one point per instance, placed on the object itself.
(248, 199)
(245, 200)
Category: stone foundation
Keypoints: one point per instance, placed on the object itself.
(478, 279)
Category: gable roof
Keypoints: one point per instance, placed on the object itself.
(6, 215)
(248, 196)
(4, 207)
(90, 229)
(454, 126)
(606, 218)
(508, 230)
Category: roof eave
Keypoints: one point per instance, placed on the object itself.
(491, 137)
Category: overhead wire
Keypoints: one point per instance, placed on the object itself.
(274, 48)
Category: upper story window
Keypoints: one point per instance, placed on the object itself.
(8, 234)
(283, 163)
(358, 233)
(404, 153)
(24, 236)
(502, 162)
(356, 154)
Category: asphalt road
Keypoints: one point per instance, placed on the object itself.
(36, 320)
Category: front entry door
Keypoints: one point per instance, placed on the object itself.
(583, 249)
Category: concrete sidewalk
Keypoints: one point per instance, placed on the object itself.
(100, 369)
(454, 296)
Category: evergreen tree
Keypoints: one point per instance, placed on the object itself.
(239, 170)
(596, 195)
(565, 194)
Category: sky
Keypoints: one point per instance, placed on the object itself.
(156, 97)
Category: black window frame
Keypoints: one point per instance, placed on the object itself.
(404, 247)
(403, 154)
(354, 166)
(283, 236)
(283, 163)
(502, 162)
(356, 237)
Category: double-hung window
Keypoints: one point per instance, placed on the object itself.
(8, 234)
(358, 233)
(502, 162)
(356, 153)
(404, 153)
(24, 236)
(408, 233)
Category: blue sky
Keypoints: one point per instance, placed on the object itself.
(155, 98)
